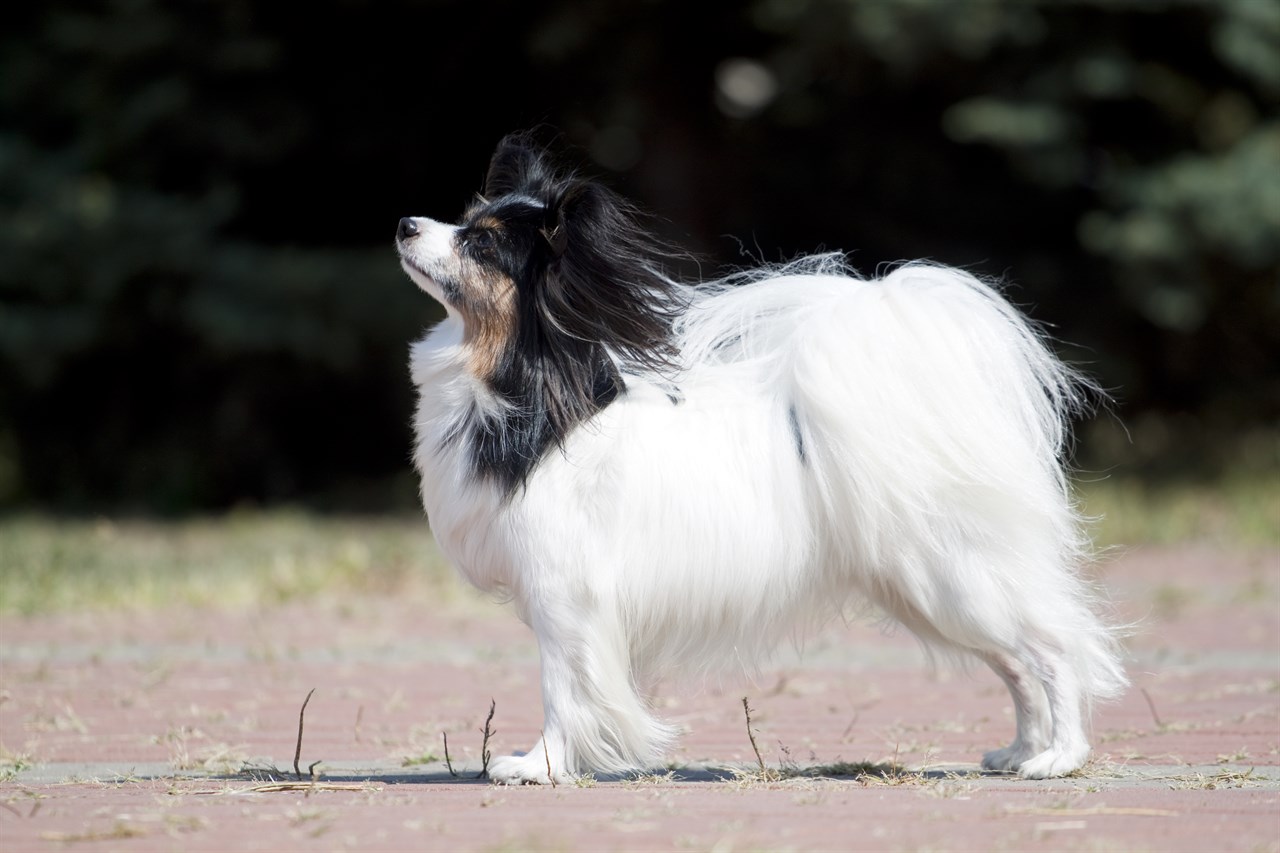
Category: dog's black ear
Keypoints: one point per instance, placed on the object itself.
(518, 165)
(591, 216)
(575, 212)
(605, 283)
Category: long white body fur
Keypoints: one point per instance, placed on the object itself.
(836, 442)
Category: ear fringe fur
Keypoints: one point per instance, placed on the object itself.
(597, 306)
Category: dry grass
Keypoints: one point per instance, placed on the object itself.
(240, 559)
(13, 763)
(254, 557)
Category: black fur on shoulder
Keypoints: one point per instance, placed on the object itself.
(591, 303)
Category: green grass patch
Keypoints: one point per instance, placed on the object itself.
(244, 558)
(1240, 512)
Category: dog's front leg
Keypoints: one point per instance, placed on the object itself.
(595, 720)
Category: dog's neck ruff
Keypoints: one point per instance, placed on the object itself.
(497, 429)
(529, 411)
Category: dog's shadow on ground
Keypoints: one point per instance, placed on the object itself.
(710, 774)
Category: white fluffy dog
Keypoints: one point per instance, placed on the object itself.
(666, 478)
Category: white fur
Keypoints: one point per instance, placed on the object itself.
(670, 538)
(431, 254)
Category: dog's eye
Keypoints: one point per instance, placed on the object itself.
(480, 240)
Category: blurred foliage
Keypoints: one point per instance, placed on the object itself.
(199, 304)
(236, 561)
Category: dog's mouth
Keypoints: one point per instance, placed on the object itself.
(417, 273)
(411, 267)
(435, 287)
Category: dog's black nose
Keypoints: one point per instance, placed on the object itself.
(408, 228)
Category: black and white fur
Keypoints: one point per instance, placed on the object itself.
(667, 478)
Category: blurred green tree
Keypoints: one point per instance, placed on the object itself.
(198, 301)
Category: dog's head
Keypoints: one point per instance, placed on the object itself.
(545, 267)
(560, 294)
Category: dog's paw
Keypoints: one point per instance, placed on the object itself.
(1006, 759)
(1054, 762)
(528, 769)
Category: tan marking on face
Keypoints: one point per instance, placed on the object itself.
(488, 310)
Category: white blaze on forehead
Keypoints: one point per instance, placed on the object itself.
(434, 238)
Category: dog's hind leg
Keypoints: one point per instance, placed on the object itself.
(1068, 748)
(1031, 706)
(1035, 665)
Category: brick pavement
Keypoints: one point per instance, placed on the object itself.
(157, 730)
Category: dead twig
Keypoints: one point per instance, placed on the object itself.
(750, 734)
(1152, 706)
(447, 762)
(484, 746)
(278, 787)
(297, 753)
(547, 756)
